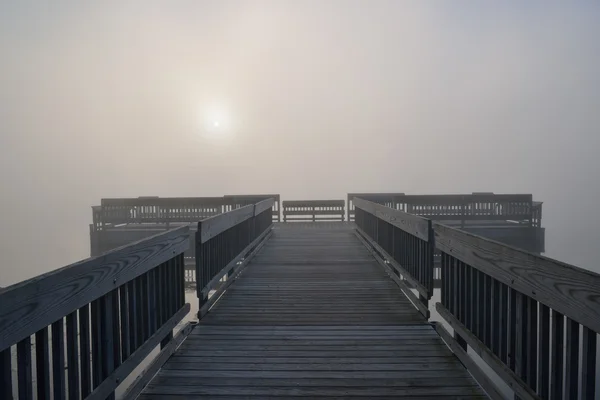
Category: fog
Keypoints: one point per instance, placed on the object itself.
(314, 99)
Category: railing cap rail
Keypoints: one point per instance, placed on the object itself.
(413, 224)
(570, 290)
(212, 226)
(33, 304)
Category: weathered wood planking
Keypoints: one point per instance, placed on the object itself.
(263, 205)
(313, 316)
(412, 224)
(565, 288)
(36, 303)
(211, 227)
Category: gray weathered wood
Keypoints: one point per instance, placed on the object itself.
(557, 357)
(233, 263)
(42, 364)
(24, 368)
(144, 378)
(58, 359)
(262, 206)
(33, 304)
(407, 292)
(116, 377)
(85, 350)
(312, 314)
(392, 263)
(412, 224)
(211, 227)
(486, 383)
(257, 244)
(6, 388)
(572, 360)
(588, 365)
(504, 372)
(570, 290)
(544, 353)
(72, 356)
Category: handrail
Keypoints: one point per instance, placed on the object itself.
(116, 309)
(223, 244)
(404, 241)
(313, 210)
(170, 210)
(508, 305)
(460, 207)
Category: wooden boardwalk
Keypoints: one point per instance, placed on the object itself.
(314, 316)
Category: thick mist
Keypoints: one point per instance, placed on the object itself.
(319, 99)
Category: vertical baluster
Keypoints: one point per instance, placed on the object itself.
(151, 299)
(494, 329)
(58, 359)
(116, 329)
(133, 314)
(521, 335)
(544, 353)
(503, 322)
(532, 334)
(124, 311)
(465, 294)
(473, 298)
(180, 284)
(481, 302)
(572, 360)
(556, 384)
(96, 344)
(106, 336)
(444, 293)
(588, 364)
(512, 329)
(42, 363)
(143, 307)
(72, 356)
(24, 368)
(6, 389)
(488, 311)
(85, 350)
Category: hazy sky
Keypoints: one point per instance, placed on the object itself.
(314, 98)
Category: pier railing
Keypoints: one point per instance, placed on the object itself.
(224, 243)
(106, 314)
(313, 210)
(463, 208)
(513, 308)
(405, 242)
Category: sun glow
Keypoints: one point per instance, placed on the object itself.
(215, 124)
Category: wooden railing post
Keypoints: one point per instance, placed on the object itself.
(523, 305)
(105, 314)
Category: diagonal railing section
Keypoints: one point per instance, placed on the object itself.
(534, 320)
(404, 241)
(82, 329)
(223, 246)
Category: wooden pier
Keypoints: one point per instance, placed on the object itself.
(314, 315)
(305, 310)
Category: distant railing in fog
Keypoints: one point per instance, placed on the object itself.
(460, 207)
(313, 210)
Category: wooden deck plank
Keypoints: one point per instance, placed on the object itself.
(313, 316)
